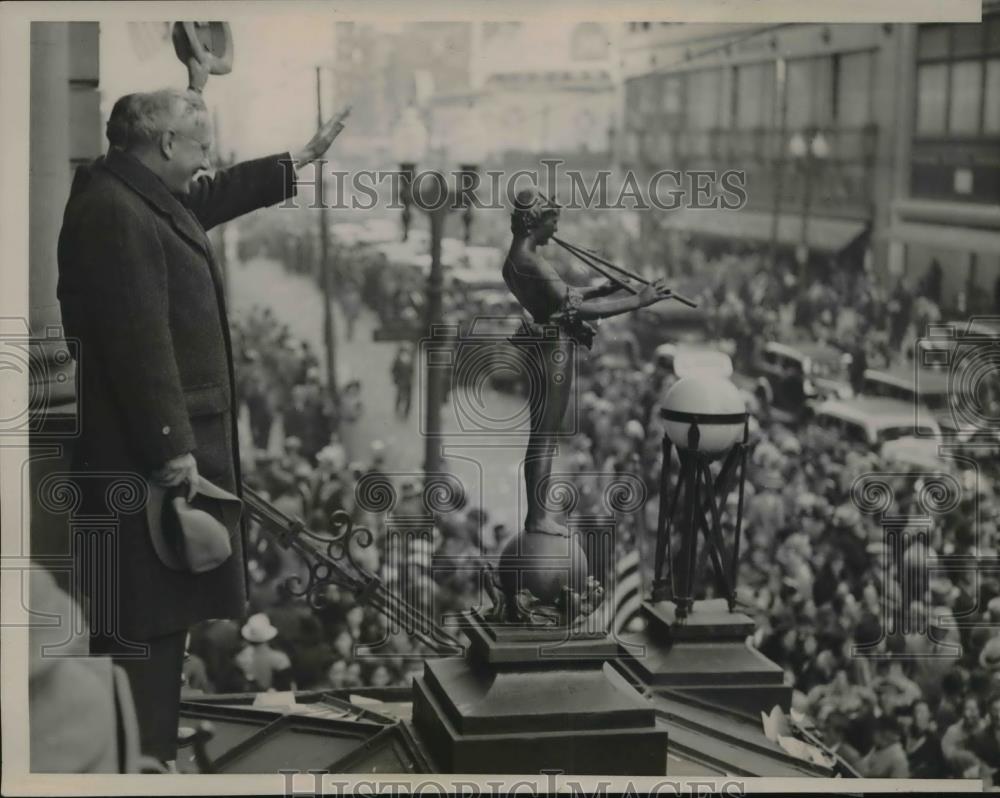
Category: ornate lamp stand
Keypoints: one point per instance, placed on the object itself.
(699, 646)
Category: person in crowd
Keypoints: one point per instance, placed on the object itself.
(351, 402)
(402, 378)
(313, 655)
(986, 744)
(326, 488)
(194, 673)
(353, 676)
(887, 759)
(949, 705)
(74, 725)
(350, 304)
(923, 745)
(835, 731)
(263, 667)
(309, 417)
(958, 742)
(257, 398)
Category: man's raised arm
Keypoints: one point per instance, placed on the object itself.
(258, 183)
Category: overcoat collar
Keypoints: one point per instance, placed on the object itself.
(145, 183)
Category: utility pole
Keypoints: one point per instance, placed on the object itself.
(329, 332)
(803, 250)
(781, 106)
(435, 320)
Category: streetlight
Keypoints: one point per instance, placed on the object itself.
(469, 151)
(808, 149)
(409, 147)
(431, 193)
(326, 278)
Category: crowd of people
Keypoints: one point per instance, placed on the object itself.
(901, 678)
(294, 458)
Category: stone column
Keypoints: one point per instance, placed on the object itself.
(64, 130)
(49, 174)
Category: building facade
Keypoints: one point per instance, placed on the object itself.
(381, 69)
(891, 131)
(946, 208)
(805, 111)
(537, 90)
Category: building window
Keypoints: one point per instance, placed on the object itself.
(590, 42)
(673, 95)
(932, 98)
(854, 89)
(991, 109)
(646, 94)
(754, 96)
(809, 85)
(958, 79)
(965, 90)
(703, 99)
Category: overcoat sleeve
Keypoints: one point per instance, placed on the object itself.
(241, 188)
(128, 282)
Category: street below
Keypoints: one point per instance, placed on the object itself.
(489, 469)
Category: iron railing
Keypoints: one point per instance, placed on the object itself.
(330, 561)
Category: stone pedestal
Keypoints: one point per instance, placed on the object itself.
(526, 699)
(704, 655)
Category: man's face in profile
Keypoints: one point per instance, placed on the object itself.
(189, 151)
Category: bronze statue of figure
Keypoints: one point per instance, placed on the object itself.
(559, 321)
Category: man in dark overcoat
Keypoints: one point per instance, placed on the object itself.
(141, 290)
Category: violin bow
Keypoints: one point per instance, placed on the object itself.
(589, 257)
(573, 251)
(590, 254)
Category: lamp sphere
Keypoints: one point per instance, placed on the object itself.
(708, 396)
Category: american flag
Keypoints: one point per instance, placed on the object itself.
(624, 599)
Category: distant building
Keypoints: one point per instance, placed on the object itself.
(536, 90)
(947, 208)
(806, 111)
(381, 69)
(909, 119)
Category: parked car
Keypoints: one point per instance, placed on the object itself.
(684, 359)
(794, 378)
(929, 388)
(874, 421)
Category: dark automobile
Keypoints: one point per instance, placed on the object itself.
(792, 379)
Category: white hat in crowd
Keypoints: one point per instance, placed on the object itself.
(258, 629)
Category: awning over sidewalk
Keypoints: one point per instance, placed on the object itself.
(824, 234)
(963, 239)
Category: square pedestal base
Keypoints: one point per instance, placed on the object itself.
(589, 722)
(521, 702)
(705, 656)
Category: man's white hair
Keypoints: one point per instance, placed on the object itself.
(140, 118)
